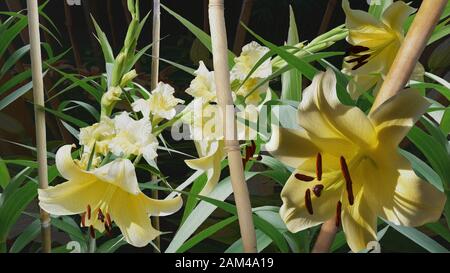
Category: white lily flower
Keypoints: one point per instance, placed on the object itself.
(251, 54)
(99, 133)
(161, 103)
(203, 85)
(134, 137)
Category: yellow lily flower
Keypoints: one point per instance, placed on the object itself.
(250, 55)
(103, 196)
(347, 165)
(374, 44)
(203, 85)
(161, 103)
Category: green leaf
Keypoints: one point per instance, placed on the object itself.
(13, 206)
(204, 38)
(12, 60)
(439, 229)
(15, 95)
(420, 238)
(104, 44)
(27, 235)
(112, 245)
(291, 81)
(262, 241)
(4, 174)
(204, 234)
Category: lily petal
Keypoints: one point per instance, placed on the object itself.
(211, 164)
(71, 197)
(413, 202)
(294, 210)
(292, 147)
(132, 219)
(358, 18)
(67, 167)
(121, 173)
(321, 113)
(396, 14)
(394, 118)
(164, 207)
(359, 223)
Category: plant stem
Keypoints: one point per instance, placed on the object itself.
(92, 244)
(246, 12)
(39, 114)
(225, 101)
(156, 34)
(412, 47)
(326, 237)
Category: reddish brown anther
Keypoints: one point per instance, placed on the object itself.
(83, 219)
(338, 213)
(92, 231)
(317, 190)
(100, 216)
(88, 212)
(348, 180)
(108, 220)
(303, 177)
(319, 166)
(308, 202)
(357, 49)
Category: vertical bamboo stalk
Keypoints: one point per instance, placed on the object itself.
(225, 101)
(156, 36)
(399, 74)
(39, 114)
(412, 47)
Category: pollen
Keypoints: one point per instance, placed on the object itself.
(317, 190)
(338, 213)
(319, 166)
(303, 177)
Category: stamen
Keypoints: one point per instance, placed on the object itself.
(83, 219)
(92, 231)
(303, 177)
(317, 190)
(100, 216)
(338, 213)
(359, 59)
(348, 180)
(308, 202)
(108, 220)
(88, 212)
(319, 166)
(359, 65)
(108, 230)
(357, 49)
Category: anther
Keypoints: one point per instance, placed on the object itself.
(100, 216)
(83, 219)
(317, 190)
(338, 213)
(88, 212)
(319, 166)
(357, 49)
(303, 177)
(308, 202)
(108, 220)
(348, 180)
(359, 65)
(92, 231)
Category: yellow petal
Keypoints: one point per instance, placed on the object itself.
(120, 173)
(211, 165)
(164, 207)
(357, 18)
(71, 197)
(394, 118)
(411, 200)
(396, 14)
(67, 167)
(129, 213)
(322, 114)
(360, 84)
(294, 211)
(292, 147)
(359, 222)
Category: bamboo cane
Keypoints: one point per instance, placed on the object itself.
(156, 34)
(327, 16)
(225, 102)
(39, 114)
(399, 74)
